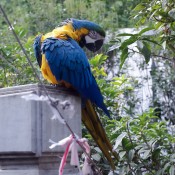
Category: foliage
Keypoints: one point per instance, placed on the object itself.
(145, 145)
(33, 16)
(143, 45)
(156, 44)
(109, 15)
(160, 15)
(14, 69)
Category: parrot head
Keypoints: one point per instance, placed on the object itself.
(93, 39)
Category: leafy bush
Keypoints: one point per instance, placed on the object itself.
(145, 145)
(14, 67)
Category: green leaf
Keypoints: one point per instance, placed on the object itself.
(127, 144)
(97, 149)
(117, 129)
(138, 172)
(122, 153)
(156, 153)
(139, 7)
(160, 172)
(131, 155)
(145, 51)
(164, 45)
(145, 30)
(165, 167)
(102, 58)
(171, 171)
(123, 56)
(139, 44)
(113, 136)
(96, 157)
(122, 170)
(128, 42)
(102, 72)
(146, 154)
(119, 139)
(159, 25)
(150, 40)
(98, 60)
(171, 13)
(125, 34)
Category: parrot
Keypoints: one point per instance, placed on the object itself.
(63, 61)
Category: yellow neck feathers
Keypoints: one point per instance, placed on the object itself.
(66, 31)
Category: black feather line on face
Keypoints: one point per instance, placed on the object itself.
(37, 49)
(82, 42)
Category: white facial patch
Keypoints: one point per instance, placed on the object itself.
(89, 39)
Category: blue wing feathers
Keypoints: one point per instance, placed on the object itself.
(52, 47)
(82, 81)
(68, 62)
(65, 75)
(93, 93)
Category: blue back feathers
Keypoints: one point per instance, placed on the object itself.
(68, 62)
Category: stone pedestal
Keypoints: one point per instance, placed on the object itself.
(26, 127)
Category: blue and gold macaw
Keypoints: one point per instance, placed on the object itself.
(63, 61)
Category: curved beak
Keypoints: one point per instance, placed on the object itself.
(93, 44)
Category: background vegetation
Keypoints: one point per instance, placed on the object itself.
(144, 139)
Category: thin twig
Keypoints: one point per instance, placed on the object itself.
(154, 55)
(161, 57)
(168, 20)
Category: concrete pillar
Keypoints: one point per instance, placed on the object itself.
(26, 127)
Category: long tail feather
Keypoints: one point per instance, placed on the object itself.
(94, 125)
